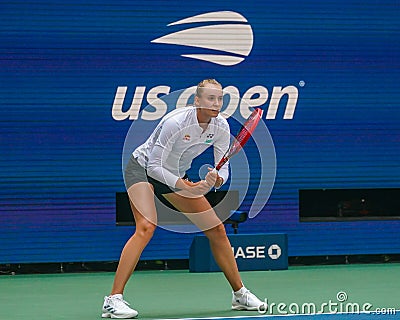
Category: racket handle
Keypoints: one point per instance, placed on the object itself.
(215, 171)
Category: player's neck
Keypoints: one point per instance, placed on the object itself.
(203, 119)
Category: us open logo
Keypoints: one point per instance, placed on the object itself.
(229, 37)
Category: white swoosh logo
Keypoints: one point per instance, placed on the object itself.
(235, 40)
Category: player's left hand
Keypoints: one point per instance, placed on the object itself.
(213, 179)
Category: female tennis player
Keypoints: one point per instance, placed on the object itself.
(158, 167)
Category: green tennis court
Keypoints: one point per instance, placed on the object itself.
(180, 294)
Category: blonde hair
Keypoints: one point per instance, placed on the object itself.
(203, 83)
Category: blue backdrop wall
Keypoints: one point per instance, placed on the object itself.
(74, 75)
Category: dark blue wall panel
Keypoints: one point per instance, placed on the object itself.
(61, 149)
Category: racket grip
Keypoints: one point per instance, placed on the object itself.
(215, 171)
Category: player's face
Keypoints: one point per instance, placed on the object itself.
(210, 100)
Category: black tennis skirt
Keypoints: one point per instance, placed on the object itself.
(135, 173)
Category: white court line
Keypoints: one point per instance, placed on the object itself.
(280, 315)
(240, 317)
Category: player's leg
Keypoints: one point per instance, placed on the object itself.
(200, 212)
(141, 198)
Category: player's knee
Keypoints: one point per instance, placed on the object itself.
(220, 229)
(146, 230)
(217, 232)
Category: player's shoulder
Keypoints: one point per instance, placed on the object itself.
(177, 116)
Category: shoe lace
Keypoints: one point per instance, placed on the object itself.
(246, 295)
(250, 298)
(121, 302)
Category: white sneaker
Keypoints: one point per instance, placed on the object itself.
(247, 301)
(116, 307)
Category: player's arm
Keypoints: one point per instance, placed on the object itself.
(158, 155)
(221, 145)
(169, 134)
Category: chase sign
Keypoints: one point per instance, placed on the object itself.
(251, 251)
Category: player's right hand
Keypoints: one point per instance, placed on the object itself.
(195, 189)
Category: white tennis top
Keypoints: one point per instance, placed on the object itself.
(169, 151)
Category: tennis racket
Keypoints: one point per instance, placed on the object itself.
(241, 138)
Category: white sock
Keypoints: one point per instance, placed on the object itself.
(241, 291)
(118, 296)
